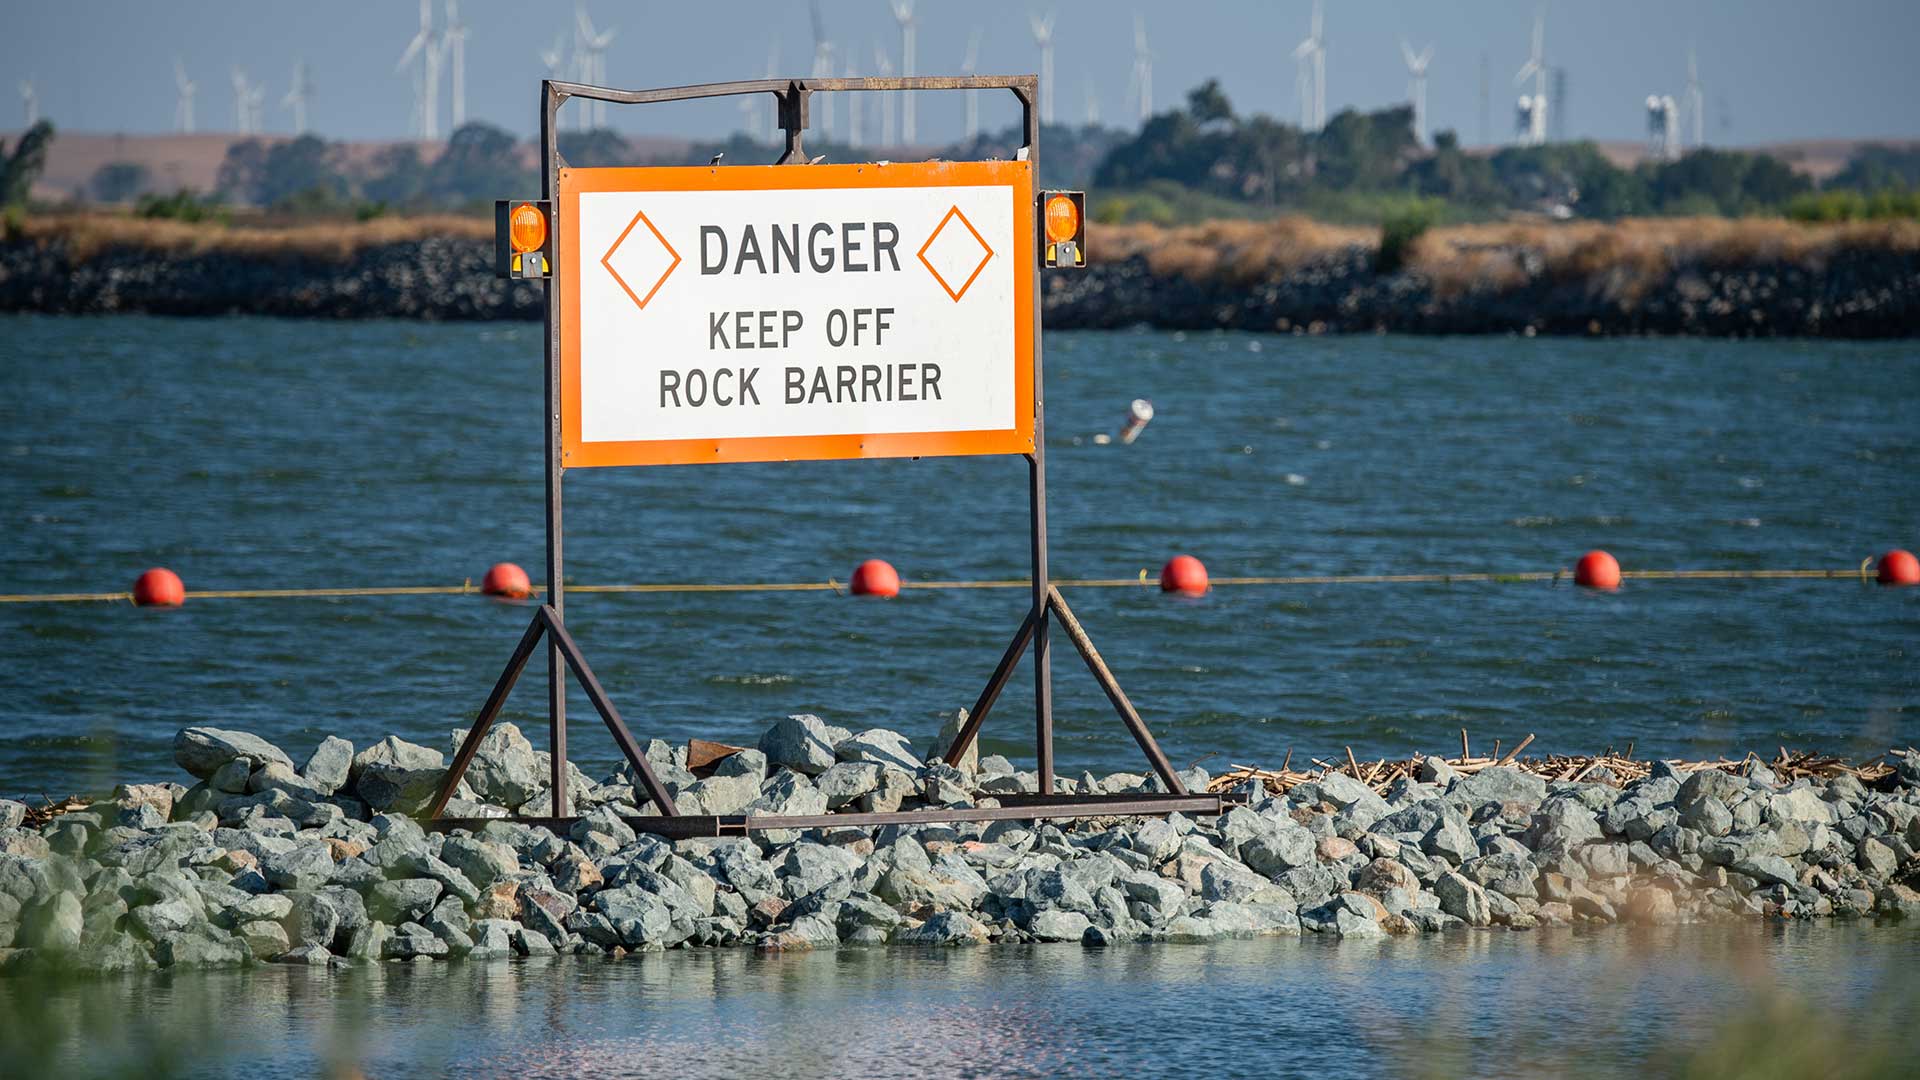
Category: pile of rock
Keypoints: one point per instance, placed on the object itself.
(322, 864)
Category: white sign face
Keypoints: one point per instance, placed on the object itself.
(714, 316)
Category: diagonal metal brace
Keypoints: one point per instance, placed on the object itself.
(488, 713)
(621, 736)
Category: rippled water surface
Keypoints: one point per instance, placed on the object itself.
(1722, 1001)
(252, 453)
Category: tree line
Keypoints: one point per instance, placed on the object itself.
(1198, 160)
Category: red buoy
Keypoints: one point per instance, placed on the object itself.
(875, 577)
(161, 587)
(1185, 575)
(1597, 570)
(508, 580)
(1899, 567)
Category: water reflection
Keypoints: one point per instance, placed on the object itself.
(1608, 1002)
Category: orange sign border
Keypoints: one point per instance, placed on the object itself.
(1016, 175)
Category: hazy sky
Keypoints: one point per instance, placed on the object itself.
(1771, 69)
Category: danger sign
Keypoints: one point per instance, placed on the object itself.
(757, 313)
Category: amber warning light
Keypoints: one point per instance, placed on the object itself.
(520, 236)
(1063, 215)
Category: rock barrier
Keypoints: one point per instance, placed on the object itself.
(1863, 292)
(261, 859)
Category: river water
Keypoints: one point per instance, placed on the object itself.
(1797, 1000)
(250, 453)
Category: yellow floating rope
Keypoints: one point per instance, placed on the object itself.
(1143, 581)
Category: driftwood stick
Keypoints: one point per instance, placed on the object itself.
(1511, 754)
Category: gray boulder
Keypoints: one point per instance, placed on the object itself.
(1802, 805)
(200, 946)
(505, 769)
(54, 925)
(802, 742)
(1279, 849)
(789, 794)
(1463, 899)
(847, 781)
(1711, 783)
(945, 928)
(307, 866)
(1450, 839)
(399, 901)
(1502, 784)
(202, 750)
(1056, 924)
(734, 786)
(391, 786)
(327, 767)
(881, 746)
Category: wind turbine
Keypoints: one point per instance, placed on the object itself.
(903, 14)
(1140, 83)
(750, 107)
(1092, 99)
(555, 58)
(455, 39)
(823, 69)
(183, 105)
(1533, 108)
(298, 95)
(242, 118)
(1417, 87)
(1663, 127)
(30, 101)
(1311, 55)
(854, 107)
(594, 47)
(256, 97)
(426, 78)
(1043, 37)
(1696, 100)
(967, 67)
(883, 64)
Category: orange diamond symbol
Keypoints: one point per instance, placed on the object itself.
(641, 260)
(955, 254)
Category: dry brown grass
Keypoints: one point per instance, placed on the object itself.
(1629, 256)
(1238, 252)
(89, 234)
(1635, 254)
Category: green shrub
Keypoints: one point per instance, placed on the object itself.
(182, 205)
(1847, 205)
(1398, 233)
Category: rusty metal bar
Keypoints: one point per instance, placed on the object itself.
(1037, 484)
(621, 736)
(488, 712)
(991, 693)
(1017, 83)
(685, 826)
(550, 100)
(1102, 674)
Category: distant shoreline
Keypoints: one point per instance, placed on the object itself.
(1680, 277)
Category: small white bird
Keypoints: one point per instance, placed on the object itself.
(717, 157)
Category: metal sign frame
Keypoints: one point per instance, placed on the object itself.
(564, 655)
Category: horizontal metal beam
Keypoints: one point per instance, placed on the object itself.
(1017, 83)
(1024, 808)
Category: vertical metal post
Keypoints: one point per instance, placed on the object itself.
(1037, 494)
(556, 667)
(793, 120)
